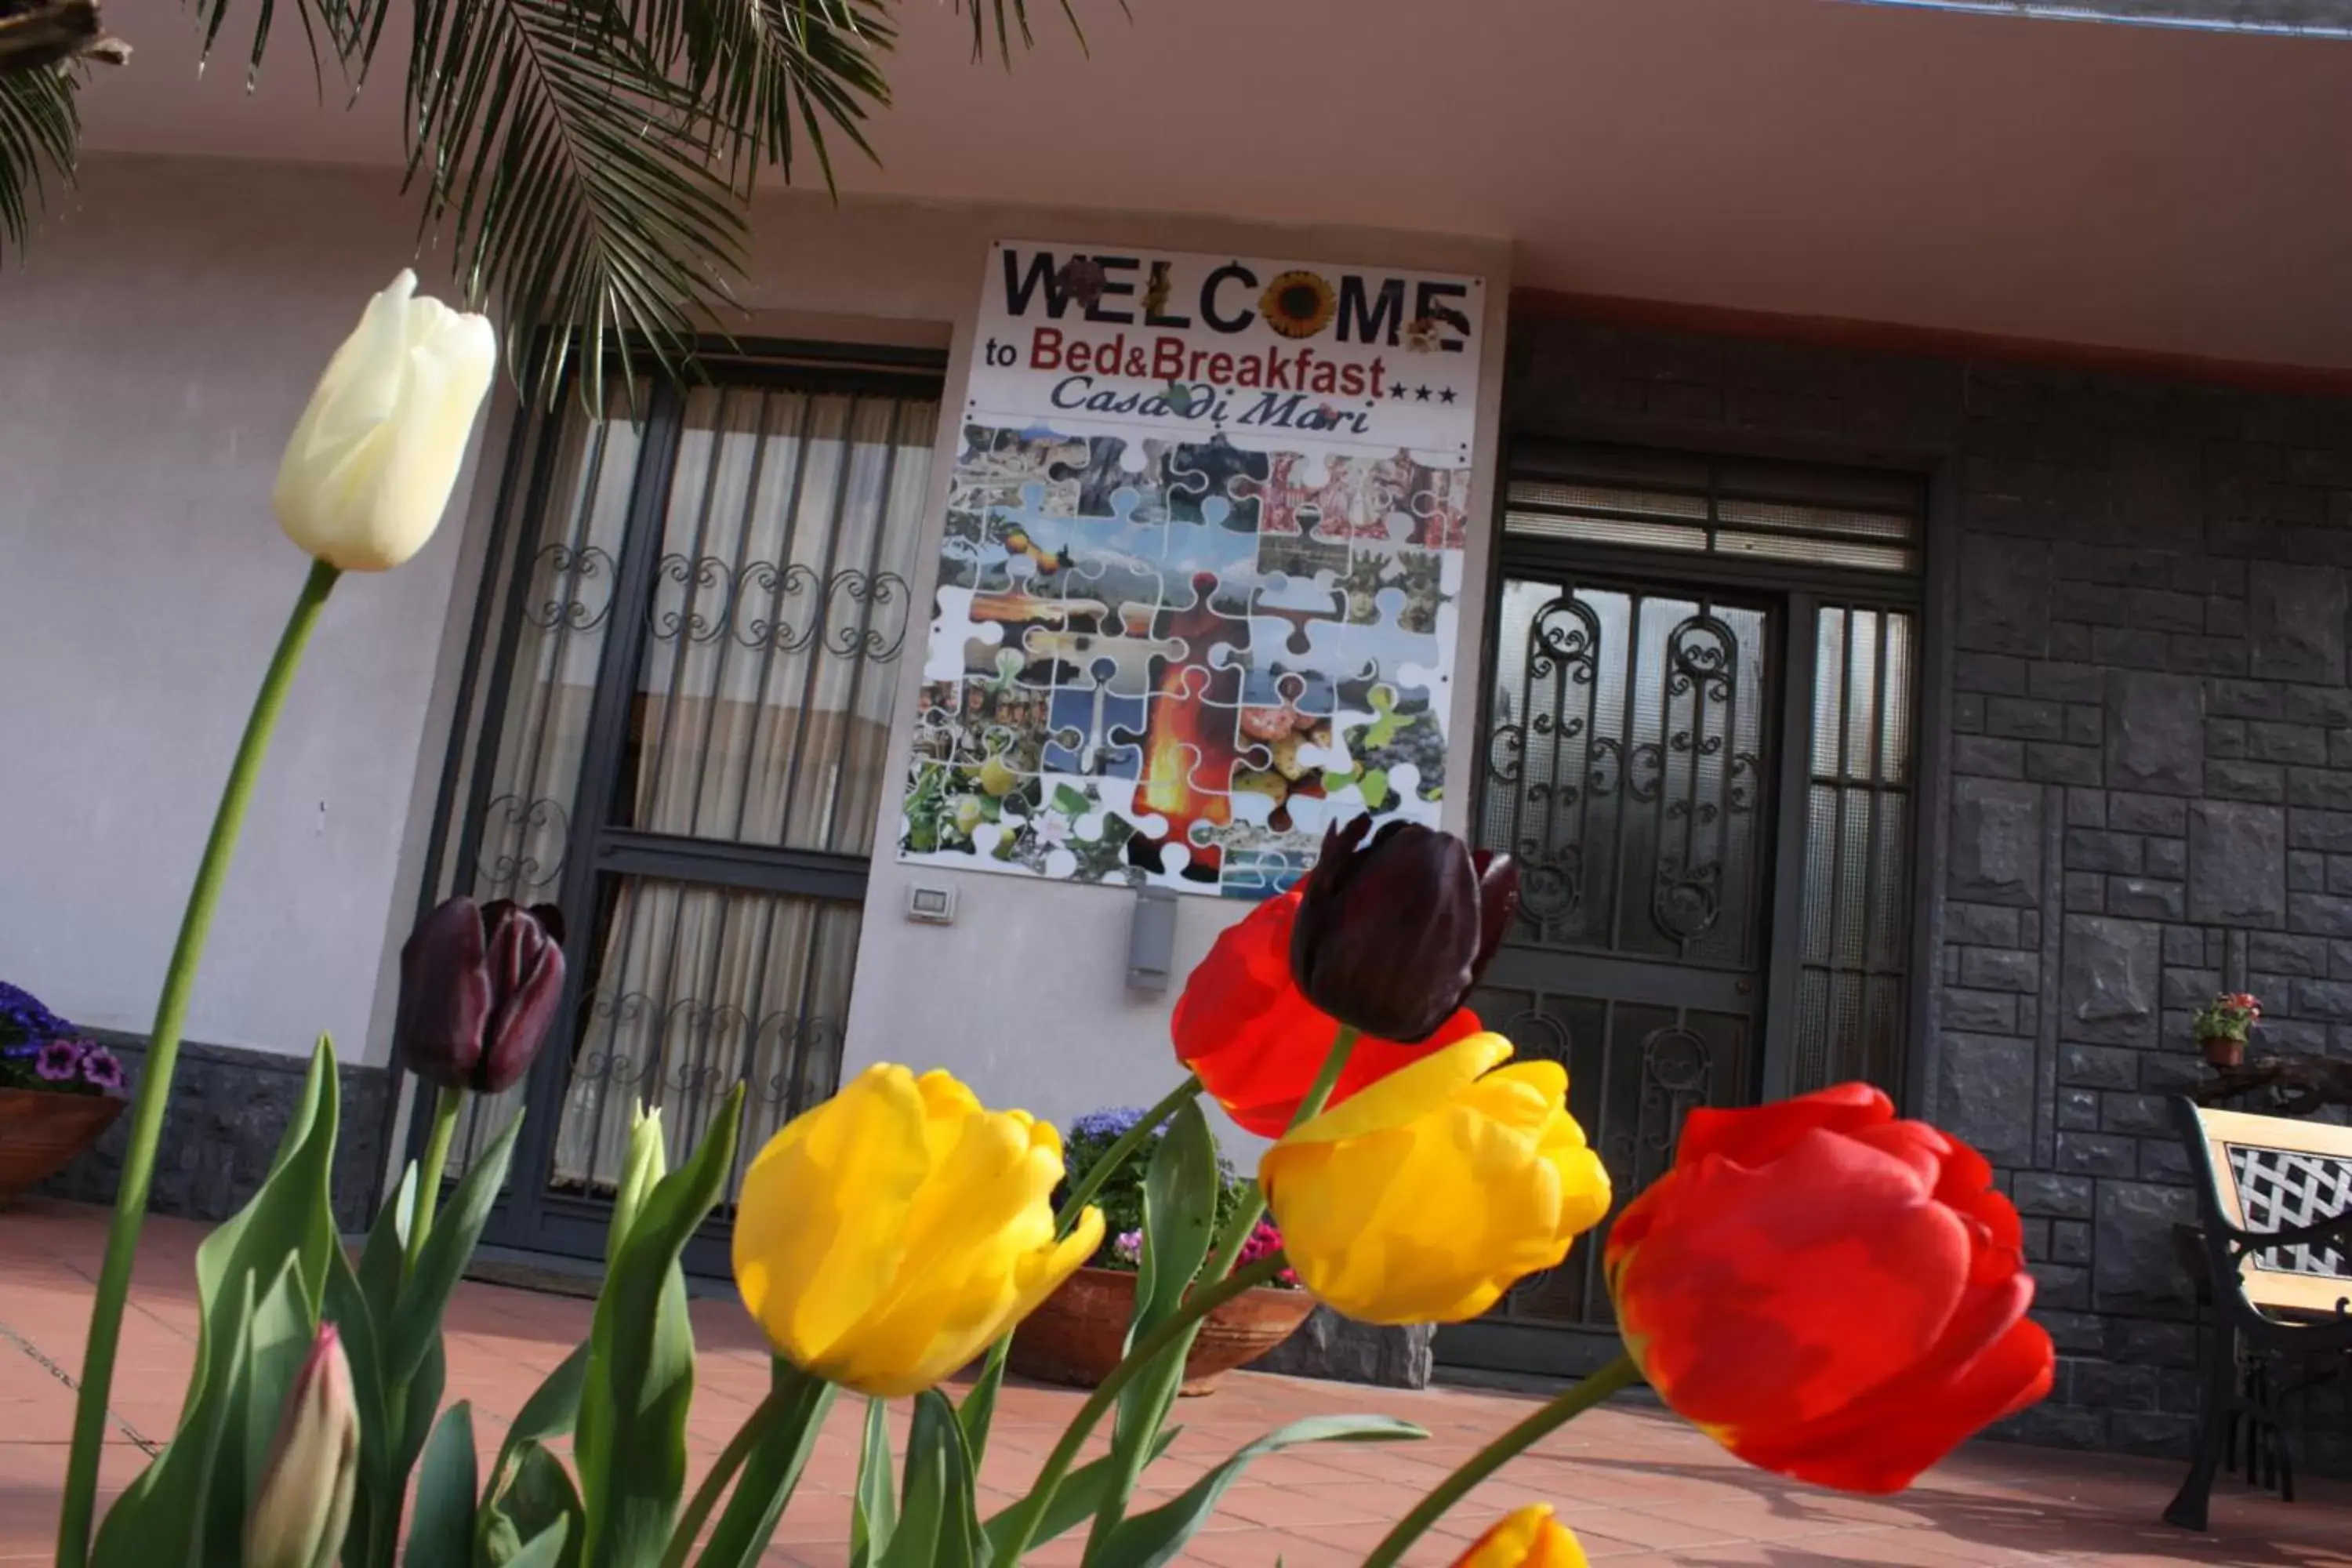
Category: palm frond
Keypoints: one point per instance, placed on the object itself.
(573, 176)
(40, 136)
(770, 72)
(1012, 16)
(339, 20)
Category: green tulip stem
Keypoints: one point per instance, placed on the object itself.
(1203, 1300)
(1118, 1153)
(1550, 1417)
(980, 1407)
(1252, 1206)
(788, 1391)
(447, 1106)
(155, 1093)
(1335, 1062)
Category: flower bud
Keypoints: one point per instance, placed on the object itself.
(1529, 1537)
(1392, 935)
(367, 473)
(298, 1516)
(479, 987)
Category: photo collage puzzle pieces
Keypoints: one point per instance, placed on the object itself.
(1173, 662)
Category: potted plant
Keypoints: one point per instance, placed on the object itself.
(57, 1092)
(2221, 1028)
(1078, 1335)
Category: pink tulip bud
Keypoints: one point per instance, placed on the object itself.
(298, 1516)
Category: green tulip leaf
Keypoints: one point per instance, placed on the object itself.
(448, 1247)
(1180, 1216)
(533, 1500)
(550, 1412)
(977, 1412)
(630, 1443)
(1181, 1188)
(346, 1307)
(170, 1492)
(554, 1408)
(546, 1549)
(1081, 1494)
(277, 1341)
(938, 1524)
(443, 1531)
(288, 1222)
(794, 1417)
(876, 1514)
(420, 1401)
(1149, 1540)
(641, 1167)
(384, 1261)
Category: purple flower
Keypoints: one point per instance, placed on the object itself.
(24, 1021)
(59, 1060)
(100, 1068)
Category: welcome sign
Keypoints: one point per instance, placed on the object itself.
(1197, 581)
(1200, 344)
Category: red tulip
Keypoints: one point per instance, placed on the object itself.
(1827, 1291)
(1258, 1043)
(479, 988)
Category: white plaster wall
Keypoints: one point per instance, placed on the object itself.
(1026, 995)
(160, 342)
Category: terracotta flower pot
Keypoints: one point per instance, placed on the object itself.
(41, 1131)
(1075, 1337)
(2221, 1050)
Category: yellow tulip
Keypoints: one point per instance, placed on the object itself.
(1422, 1198)
(1528, 1538)
(367, 473)
(889, 1235)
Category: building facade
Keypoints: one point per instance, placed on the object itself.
(1940, 703)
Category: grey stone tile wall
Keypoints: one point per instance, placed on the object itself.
(228, 1111)
(2150, 741)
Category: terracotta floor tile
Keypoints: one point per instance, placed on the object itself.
(1640, 1486)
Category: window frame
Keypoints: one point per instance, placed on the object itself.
(529, 1213)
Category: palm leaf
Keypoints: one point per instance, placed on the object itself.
(573, 175)
(770, 72)
(340, 19)
(1012, 16)
(588, 163)
(40, 134)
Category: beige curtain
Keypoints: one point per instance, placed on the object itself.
(784, 601)
(567, 612)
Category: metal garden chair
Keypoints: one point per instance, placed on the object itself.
(2274, 1199)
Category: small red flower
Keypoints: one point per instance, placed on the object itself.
(1827, 1291)
(1258, 1043)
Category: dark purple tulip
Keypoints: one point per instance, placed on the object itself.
(479, 987)
(1391, 935)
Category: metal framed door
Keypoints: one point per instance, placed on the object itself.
(679, 738)
(1629, 770)
(1701, 676)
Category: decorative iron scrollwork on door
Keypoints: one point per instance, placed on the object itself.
(1703, 693)
(1624, 768)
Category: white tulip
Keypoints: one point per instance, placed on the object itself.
(369, 468)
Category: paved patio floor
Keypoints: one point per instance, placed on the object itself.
(1638, 1487)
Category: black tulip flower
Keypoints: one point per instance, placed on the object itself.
(1391, 935)
(479, 987)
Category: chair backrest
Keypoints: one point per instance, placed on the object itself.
(2267, 1174)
